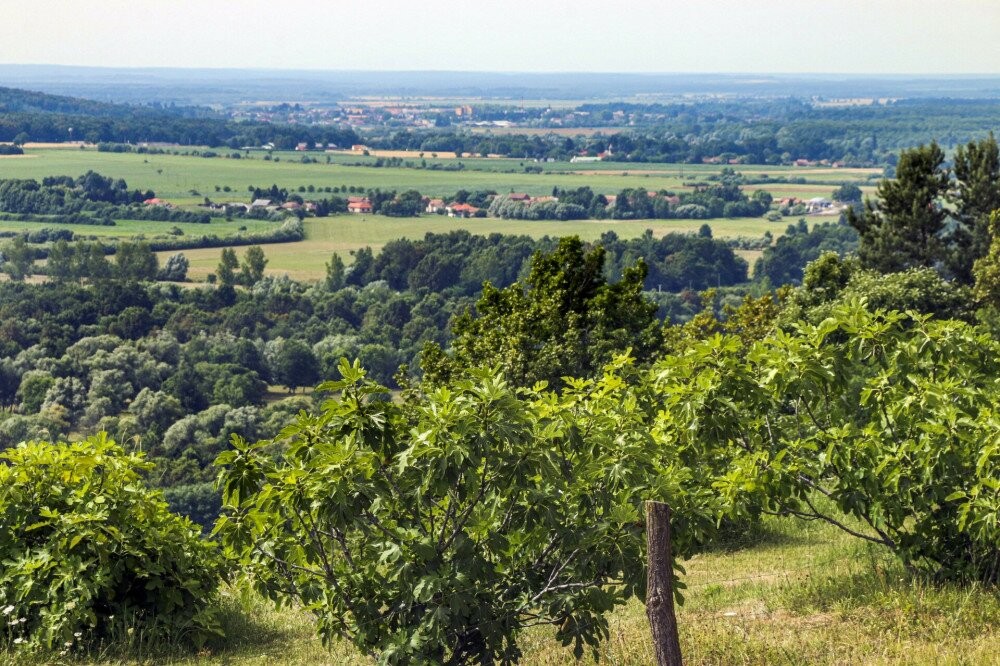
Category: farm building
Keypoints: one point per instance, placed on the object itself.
(435, 205)
(462, 210)
(359, 206)
(818, 204)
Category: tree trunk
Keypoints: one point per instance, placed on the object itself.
(660, 586)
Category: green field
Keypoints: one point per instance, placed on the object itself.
(174, 177)
(186, 180)
(127, 229)
(341, 234)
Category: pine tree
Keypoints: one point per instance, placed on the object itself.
(905, 227)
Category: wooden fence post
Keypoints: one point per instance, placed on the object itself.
(660, 586)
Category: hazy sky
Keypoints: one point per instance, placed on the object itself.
(848, 36)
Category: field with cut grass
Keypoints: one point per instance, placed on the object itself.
(306, 260)
(130, 229)
(797, 593)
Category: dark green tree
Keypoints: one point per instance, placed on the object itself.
(975, 196)
(905, 226)
(228, 263)
(335, 273)
(252, 268)
(847, 193)
(18, 258)
(135, 262)
(61, 261)
(295, 365)
(564, 320)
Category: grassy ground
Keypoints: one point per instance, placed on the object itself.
(175, 177)
(146, 228)
(799, 593)
(306, 260)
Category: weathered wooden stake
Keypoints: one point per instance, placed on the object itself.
(660, 586)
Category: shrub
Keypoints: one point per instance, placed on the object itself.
(436, 530)
(889, 416)
(84, 542)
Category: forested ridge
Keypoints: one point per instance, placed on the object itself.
(745, 130)
(544, 390)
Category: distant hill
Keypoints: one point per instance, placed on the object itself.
(27, 115)
(16, 100)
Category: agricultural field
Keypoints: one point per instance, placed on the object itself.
(186, 180)
(306, 260)
(133, 229)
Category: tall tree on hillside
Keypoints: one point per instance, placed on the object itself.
(17, 258)
(564, 320)
(252, 269)
(135, 262)
(228, 263)
(905, 227)
(975, 196)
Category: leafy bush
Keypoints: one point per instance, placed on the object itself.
(83, 542)
(437, 530)
(889, 416)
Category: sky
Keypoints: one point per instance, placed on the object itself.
(740, 36)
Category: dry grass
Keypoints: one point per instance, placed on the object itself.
(794, 593)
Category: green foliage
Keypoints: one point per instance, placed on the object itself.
(831, 282)
(786, 261)
(17, 258)
(889, 416)
(976, 196)
(566, 320)
(252, 268)
(335, 272)
(226, 270)
(437, 529)
(905, 226)
(847, 193)
(175, 269)
(135, 262)
(83, 542)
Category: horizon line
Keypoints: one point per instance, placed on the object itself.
(311, 70)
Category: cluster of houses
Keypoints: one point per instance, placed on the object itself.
(814, 206)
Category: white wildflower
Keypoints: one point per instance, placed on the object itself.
(18, 640)
(78, 634)
(8, 610)
(68, 643)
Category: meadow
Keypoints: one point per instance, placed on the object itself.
(306, 260)
(132, 229)
(795, 593)
(186, 180)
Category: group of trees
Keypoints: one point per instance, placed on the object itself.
(88, 199)
(504, 488)
(487, 509)
(745, 131)
(723, 199)
(31, 116)
(930, 215)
